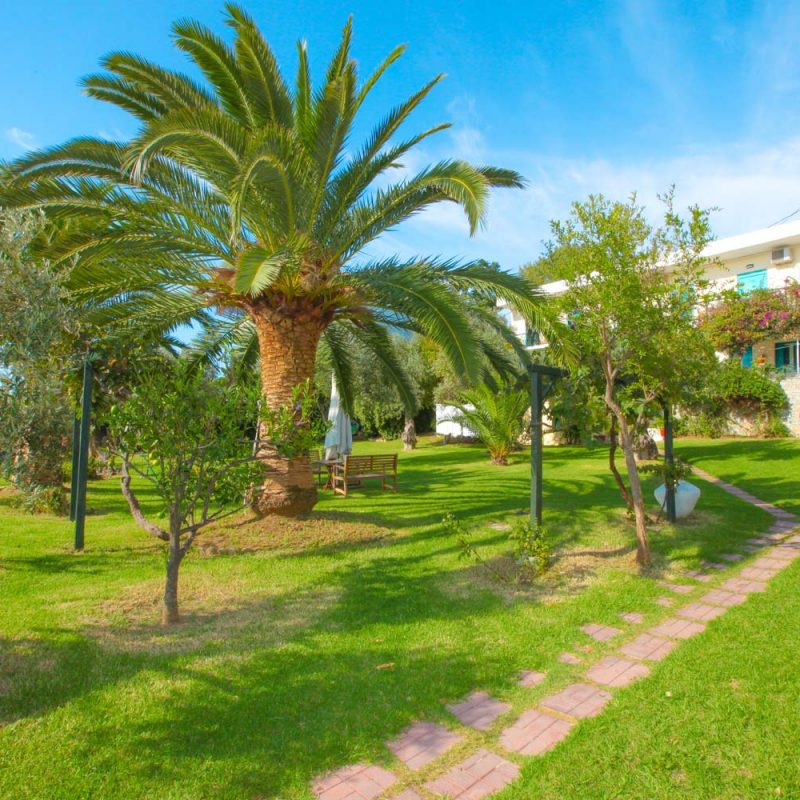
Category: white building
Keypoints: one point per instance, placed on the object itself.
(768, 258)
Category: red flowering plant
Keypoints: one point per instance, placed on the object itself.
(739, 321)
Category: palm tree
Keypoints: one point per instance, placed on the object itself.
(243, 205)
(496, 414)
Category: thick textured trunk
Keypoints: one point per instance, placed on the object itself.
(170, 614)
(288, 349)
(409, 435)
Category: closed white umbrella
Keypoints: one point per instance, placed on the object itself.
(339, 439)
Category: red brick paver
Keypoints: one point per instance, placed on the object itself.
(714, 565)
(634, 617)
(528, 678)
(769, 562)
(759, 573)
(579, 700)
(479, 776)
(422, 743)
(569, 658)
(784, 553)
(479, 710)
(700, 612)
(731, 556)
(666, 602)
(408, 794)
(646, 646)
(743, 586)
(600, 633)
(677, 628)
(616, 671)
(535, 733)
(719, 597)
(356, 782)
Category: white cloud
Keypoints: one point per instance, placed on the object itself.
(23, 139)
(752, 187)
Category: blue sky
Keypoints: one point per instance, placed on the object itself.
(580, 97)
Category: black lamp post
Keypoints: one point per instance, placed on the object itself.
(80, 455)
(537, 373)
(669, 462)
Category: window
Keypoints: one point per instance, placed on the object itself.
(786, 356)
(746, 282)
(532, 337)
(747, 357)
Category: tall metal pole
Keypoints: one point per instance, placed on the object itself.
(73, 483)
(83, 453)
(536, 448)
(669, 461)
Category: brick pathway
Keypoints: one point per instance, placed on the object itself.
(700, 611)
(422, 743)
(479, 776)
(676, 628)
(528, 678)
(479, 710)
(540, 729)
(579, 700)
(601, 633)
(358, 782)
(646, 646)
(535, 732)
(616, 672)
(719, 597)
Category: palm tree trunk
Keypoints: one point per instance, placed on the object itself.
(288, 350)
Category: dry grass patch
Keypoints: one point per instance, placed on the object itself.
(213, 612)
(318, 531)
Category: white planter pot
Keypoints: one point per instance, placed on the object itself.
(686, 497)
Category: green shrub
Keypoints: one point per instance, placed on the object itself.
(773, 427)
(747, 389)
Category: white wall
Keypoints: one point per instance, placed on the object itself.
(446, 424)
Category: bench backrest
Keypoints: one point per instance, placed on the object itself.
(377, 463)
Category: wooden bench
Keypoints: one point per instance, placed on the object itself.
(357, 468)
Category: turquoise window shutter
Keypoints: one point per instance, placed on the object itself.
(747, 282)
(747, 357)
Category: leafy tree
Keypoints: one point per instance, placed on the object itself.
(36, 326)
(553, 265)
(244, 195)
(631, 294)
(191, 438)
(496, 416)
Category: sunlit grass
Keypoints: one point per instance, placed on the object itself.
(279, 672)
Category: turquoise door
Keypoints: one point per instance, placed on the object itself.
(747, 357)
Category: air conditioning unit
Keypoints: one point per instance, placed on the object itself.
(781, 255)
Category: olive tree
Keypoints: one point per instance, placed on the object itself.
(190, 436)
(632, 289)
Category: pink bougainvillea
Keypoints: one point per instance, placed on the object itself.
(739, 321)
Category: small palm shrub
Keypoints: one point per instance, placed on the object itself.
(496, 416)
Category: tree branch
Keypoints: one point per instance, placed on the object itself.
(136, 509)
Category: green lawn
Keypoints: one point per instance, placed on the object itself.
(303, 657)
(769, 469)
